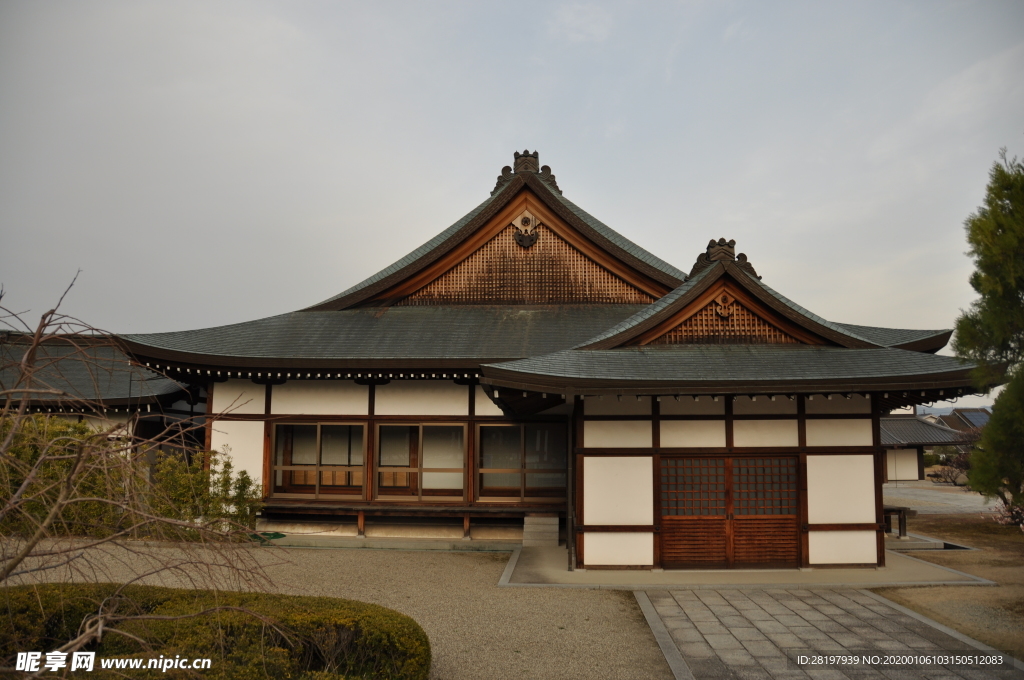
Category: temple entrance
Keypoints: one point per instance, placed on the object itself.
(729, 511)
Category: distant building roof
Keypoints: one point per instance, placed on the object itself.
(966, 419)
(909, 430)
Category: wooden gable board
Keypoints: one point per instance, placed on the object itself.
(726, 315)
(490, 267)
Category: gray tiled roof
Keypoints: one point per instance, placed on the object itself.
(93, 373)
(913, 431)
(648, 311)
(889, 337)
(615, 237)
(419, 252)
(501, 195)
(729, 363)
(457, 332)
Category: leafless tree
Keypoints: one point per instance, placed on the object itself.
(77, 501)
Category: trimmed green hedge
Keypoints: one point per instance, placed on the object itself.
(311, 637)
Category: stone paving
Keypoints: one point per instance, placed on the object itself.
(757, 635)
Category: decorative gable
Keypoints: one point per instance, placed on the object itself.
(725, 321)
(520, 267)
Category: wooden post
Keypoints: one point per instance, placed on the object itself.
(361, 523)
(570, 490)
(465, 527)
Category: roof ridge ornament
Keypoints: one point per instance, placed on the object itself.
(722, 251)
(527, 161)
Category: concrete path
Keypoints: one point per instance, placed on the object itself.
(929, 498)
(761, 635)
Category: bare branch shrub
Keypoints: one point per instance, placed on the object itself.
(79, 500)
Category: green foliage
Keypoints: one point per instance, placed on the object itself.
(931, 460)
(207, 490)
(277, 636)
(991, 332)
(65, 450)
(997, 463)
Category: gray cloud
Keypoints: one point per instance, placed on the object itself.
(207, 163)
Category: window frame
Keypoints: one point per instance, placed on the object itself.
(318, 468)
(522, 470)
(416, 468)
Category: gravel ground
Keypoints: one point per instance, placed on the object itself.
(476, 629)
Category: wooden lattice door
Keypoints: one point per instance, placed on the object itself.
(729, 512)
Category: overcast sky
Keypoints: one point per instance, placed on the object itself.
(206, 163)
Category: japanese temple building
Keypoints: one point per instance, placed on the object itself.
(530, 362)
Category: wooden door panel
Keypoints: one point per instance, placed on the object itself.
(729, 511)
(766, 540)
(693, 541)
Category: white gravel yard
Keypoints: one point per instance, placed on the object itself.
(478, 630)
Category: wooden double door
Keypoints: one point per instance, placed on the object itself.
(729, 511)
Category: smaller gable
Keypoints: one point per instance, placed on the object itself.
(726, 316)
(725, 321)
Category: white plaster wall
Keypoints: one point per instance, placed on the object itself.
(615, 549)
(839, 432)
(618, 490)
(820, 403)
(244, 439)
(328, 398)
(692, 433)
(612, 406)
(763, 405)
(765, 433)
(422, 398)
(239, 396)
(484, 406)
(901, 464)
(842, 547)
(840, 489)
(686, 406)
(607, 434)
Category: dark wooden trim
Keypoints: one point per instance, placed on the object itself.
(370, 485)
(805, 543)
(880, 473)
(656, 463)
(838, 416)
(570, 482)
(645, 451)
(865, 565)
(920, 463)
(208, 444)
(267, 396)
(615, 418)
(801, 426)
(268, 459)
(730, 440)
(628, 528)
(843, 527)
(620, 567)
(736, 451)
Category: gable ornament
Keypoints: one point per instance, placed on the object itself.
(525, 230)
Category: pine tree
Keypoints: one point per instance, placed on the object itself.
(991, 332)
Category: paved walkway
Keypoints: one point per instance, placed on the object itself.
(929, 498)
(759, 635)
